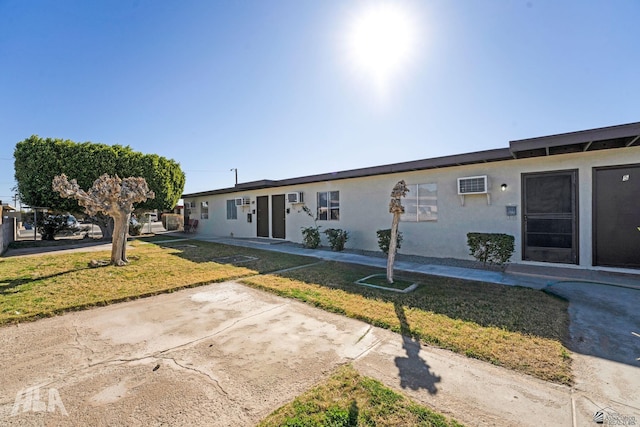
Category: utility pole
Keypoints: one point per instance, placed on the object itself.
(236, 171)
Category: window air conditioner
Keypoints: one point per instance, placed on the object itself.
(242, 201)
(295, 197)
(472, 185)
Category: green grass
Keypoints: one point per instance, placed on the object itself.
(348, 399)
(381, 280)
(39, 286)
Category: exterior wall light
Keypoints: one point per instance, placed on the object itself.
(503, 187)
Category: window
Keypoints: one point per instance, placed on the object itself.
(421, 203)
(204, 211)
(232, 210)
(329, 206)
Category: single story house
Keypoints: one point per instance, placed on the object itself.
(571, 199)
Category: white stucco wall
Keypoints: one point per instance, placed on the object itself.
(364, 205)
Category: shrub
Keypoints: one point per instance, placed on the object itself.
(311, 237)
(135, 227)
(337, 238)
(496, 248)
(50, 225)
(384, 240)
(172, 222)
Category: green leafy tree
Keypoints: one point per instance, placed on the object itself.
(39, 160)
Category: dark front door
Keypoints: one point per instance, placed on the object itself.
(277, 216)
(550, 217)
(616, 216)
(262, 221)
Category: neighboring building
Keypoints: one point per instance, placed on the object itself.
(7, 226)
(572, 199)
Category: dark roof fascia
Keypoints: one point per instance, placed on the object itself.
(415, 165)
(533, 146)
(210, 192)
(252, 185)
(572, 138)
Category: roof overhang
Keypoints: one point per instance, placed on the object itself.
(620, 136)
(574, 142)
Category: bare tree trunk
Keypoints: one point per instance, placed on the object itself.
(119, 241)
(393, 246)
(105, 223)
(399, 191)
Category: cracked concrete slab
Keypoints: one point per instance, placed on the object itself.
(222, 354)
(228, 355)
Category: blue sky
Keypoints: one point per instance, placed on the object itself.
(269, 86)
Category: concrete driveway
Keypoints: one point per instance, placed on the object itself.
(605, 352)
(228, 355)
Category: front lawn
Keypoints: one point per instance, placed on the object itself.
(38, 286)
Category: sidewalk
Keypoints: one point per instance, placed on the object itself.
(533, 276)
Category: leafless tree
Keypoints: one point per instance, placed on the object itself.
(399, 191)
(114, 197)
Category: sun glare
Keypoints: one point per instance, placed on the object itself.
(381, 42)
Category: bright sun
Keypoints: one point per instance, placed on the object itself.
(381, 41)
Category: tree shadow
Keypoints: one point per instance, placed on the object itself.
(7, 286)
(414, 371)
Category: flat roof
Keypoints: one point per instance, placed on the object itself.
(619, 136)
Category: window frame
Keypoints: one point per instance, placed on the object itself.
(232, 210)
(422, 210)
(204, 210)
(329, 208)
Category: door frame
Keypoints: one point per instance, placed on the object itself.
(262, 215)
(575, 216)
(278, 214)
(595, 210)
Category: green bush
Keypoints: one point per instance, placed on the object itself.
(311, 237)
(172, 222)
(135, 228)
(50, 225)
(337, 238)
(495, 248)
(384, 240)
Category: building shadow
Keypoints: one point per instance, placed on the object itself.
(415, 373)
(602, 320)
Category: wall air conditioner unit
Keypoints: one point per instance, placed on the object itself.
(472, 185)
(243, 201)
(295, 197)
(469, 185)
